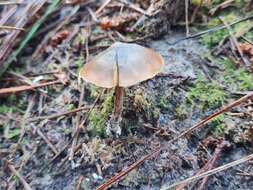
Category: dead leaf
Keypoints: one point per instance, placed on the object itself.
(59, 37)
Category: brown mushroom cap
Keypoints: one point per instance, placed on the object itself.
(135, 64)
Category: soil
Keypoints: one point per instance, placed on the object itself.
(176, 162)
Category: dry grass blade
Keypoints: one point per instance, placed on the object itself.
(210, 172)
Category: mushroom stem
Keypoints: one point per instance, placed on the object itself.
(118, 102)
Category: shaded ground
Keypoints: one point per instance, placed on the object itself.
(155, 111)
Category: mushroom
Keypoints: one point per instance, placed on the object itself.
(120, 66)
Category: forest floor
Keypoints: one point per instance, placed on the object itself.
(52, 136)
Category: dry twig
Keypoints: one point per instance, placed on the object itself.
(187, 17)
(12, 90)
(20, 177)
(223, 5)
(51, 146)
(220, 27)
(210, 172)
(11, 28)
(102, 7)
(54, 116)
(129, 169)
(23, 122)
(215, 114)
(234, 40)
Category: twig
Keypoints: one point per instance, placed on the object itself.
(102, 7)
(92, 107)
(138, 9)
(79, 182)
(247, 40)
(196, 10)
(77, 132)
(93, 15)
(143, 17)
(75, 138)
(129, 169)
(71, 154)
(210, 172)
(215, 114)
(44, 73)
(11, 28)
(245, 174)
(23, 122)
(220, 27)
(51, 146)
(25, 80)
(25, 158)
(49, 117)
(221, 6)
(11, 3)
(210, 164)
(187, 17)
(11, 90)
(234, 40)
(20, 177)
(67, 157)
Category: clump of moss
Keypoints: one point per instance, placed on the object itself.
(181, 111)
(12, 105)
(207, 94)
(92, 91)
(141, 102)
(237, 79)
(240, 3)
(6, 109)
(145, 105)
(163, 103)
(79, 62)
(212, 39)
(219, 125)
(99, 117)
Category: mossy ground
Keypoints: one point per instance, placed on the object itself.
(167, 105)
(233, 78)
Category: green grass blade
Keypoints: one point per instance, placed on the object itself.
(30, 35)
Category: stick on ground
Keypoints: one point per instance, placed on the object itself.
(54, 116)
(210, 172)
(20, 177)
(12, 90)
